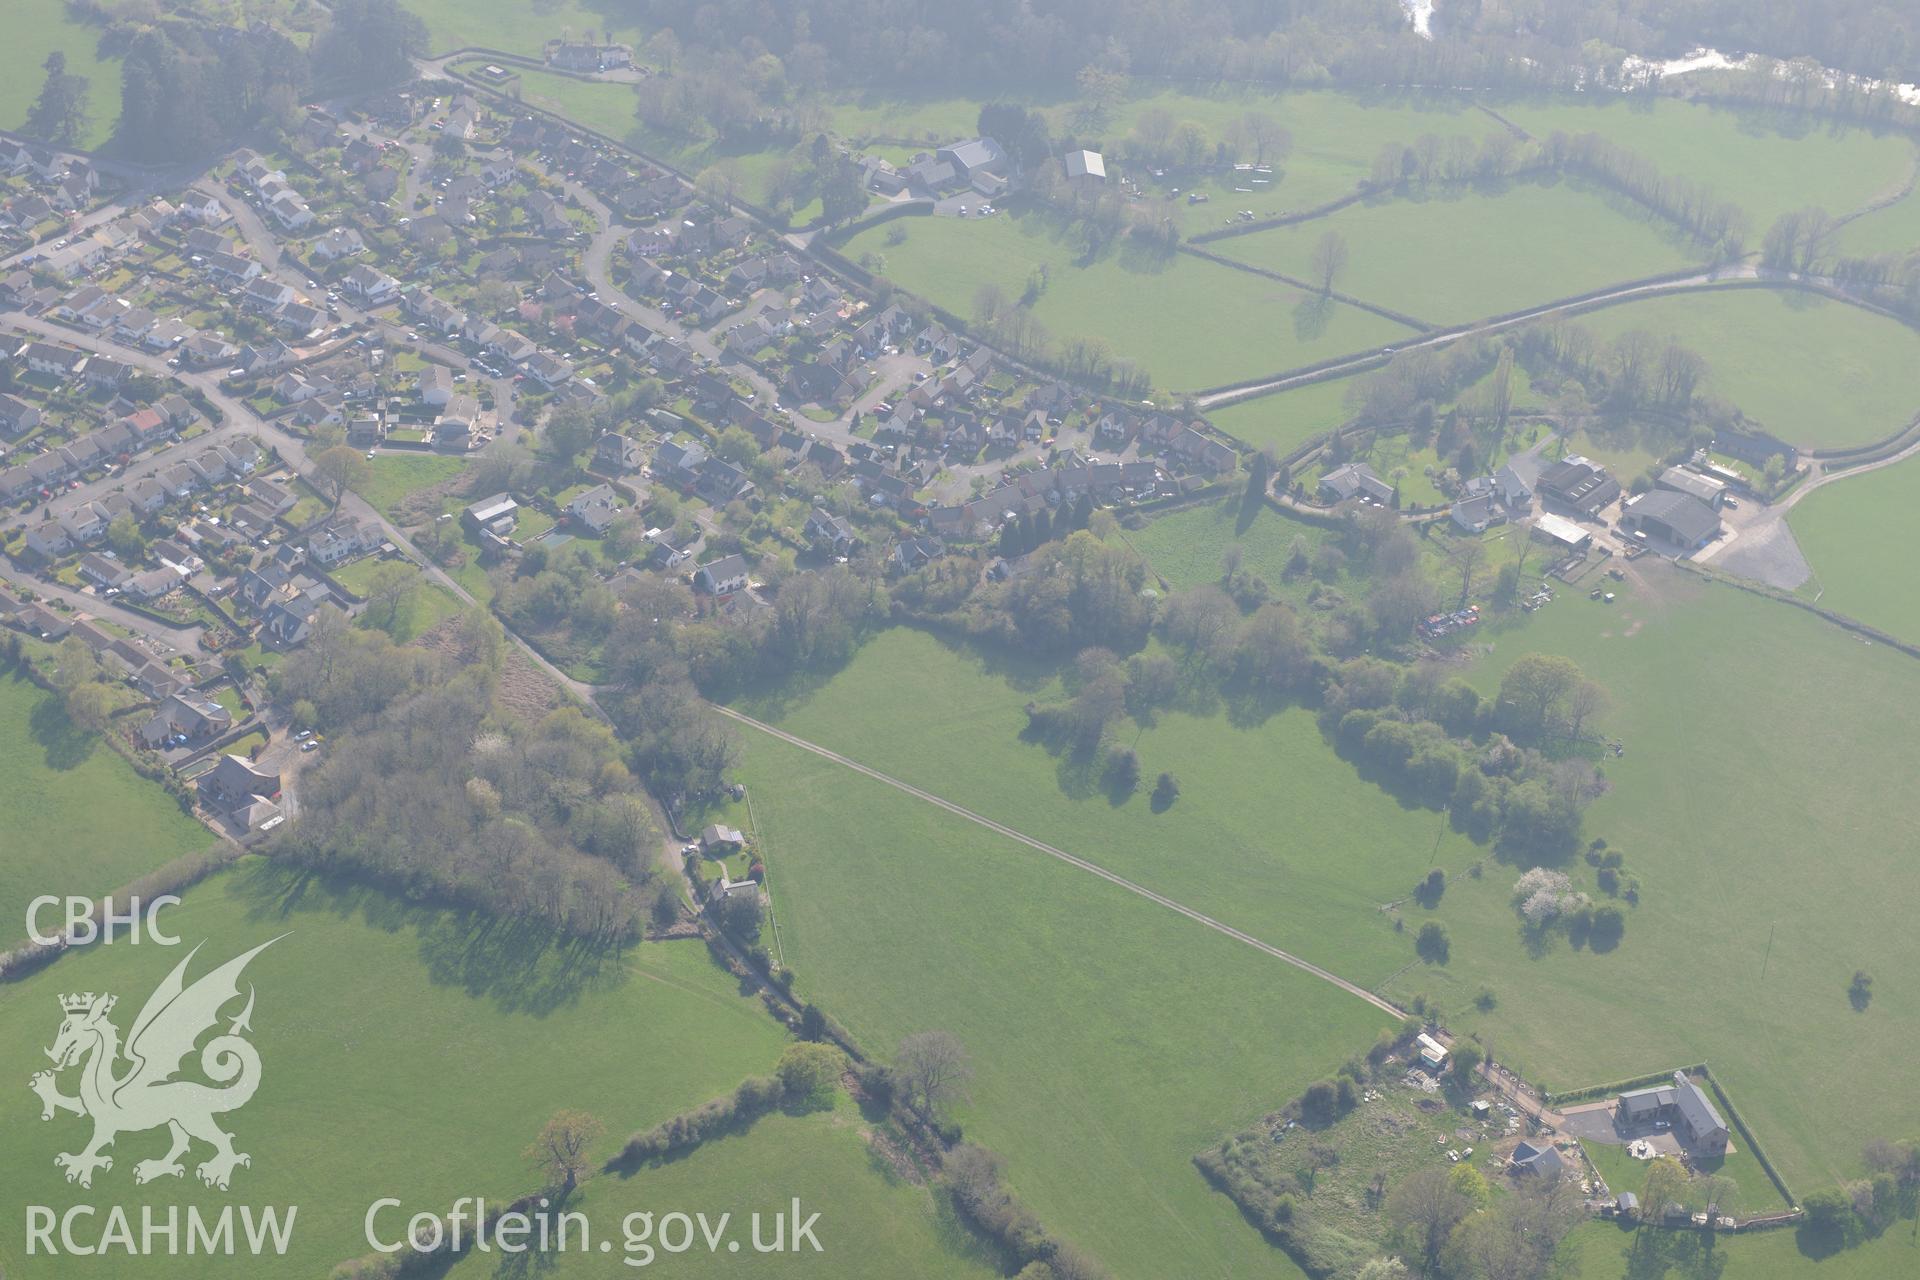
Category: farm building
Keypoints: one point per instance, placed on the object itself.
(1682, 480)
(1578, 485)
(1562, 534)
(1671, 520)
(1683, 1105)
(494, 514)
(1086, 168)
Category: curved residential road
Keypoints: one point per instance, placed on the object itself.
(1092, 868)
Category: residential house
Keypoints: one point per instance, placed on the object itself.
(722, 577)
(184, 718)
(340, 540)
(830, 534)
(17, 417)
(371, 286)
(618, 454)
(1684, 1107)
(594, 510)
(235, 783)
(1355, 480)
(339, 243)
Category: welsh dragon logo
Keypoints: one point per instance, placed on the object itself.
(146, 1094)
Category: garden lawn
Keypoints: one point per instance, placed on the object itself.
(1849, 529)
(36, 28)
(1768, 163)
(1469, 256)
(1763, 804)
(868, 1211)
(78, 819)
(1188, 322)
(1110, 1038)
(1753, 1194)
(396, 475)
(1815, 372)
(406, 1052)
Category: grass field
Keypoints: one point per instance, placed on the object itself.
(520, 28)
(79, 819)
(396, 475)
(1766, 162)
(873, 1220)
(1894, 229)
(1467, 257)
(1336, 136)
(1186, 547)
(1271, 833)
(1285, 421)
(1605, 1251)
(1846, 529)
(406, 1052)
(1758, 805)
(35, 29)
(1110, 1038)
(1189, 323)
(1813, 371)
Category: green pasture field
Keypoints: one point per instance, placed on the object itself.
(1336, 136)
(1813, 371)
(78, 819)
(1185, 547)
(874, 1219)
(1189, 323)
(1766, 162)
(1848, 531)
(1287, 419)
(1453, 259)
(406, 1052)
(1892, 230)
(1272, 833)
(397, 475)
(1110, 1037)
(1761, 807)
(35, 29)
(520, 28)
(1601, 1250)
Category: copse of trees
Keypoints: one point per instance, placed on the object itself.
(433, 786)
(189, 89)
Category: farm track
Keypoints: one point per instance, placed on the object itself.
(1092, 868)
